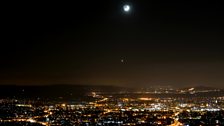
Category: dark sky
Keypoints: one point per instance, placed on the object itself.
(170, 42)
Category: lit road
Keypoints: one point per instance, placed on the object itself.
(176, 122)
(26, 120)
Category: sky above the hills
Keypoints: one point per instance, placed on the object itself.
(177, 43)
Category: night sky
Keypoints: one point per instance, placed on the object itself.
(170, 42)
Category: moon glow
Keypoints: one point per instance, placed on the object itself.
(126, 8)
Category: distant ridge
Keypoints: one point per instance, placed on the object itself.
(53, 91)
(199, 88)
